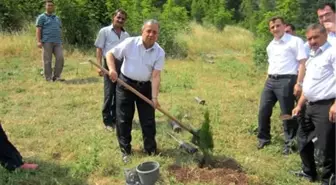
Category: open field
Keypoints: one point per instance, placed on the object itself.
(58, 125)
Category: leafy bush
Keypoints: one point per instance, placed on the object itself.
(259, 52)
(77, 26)
(14, 14)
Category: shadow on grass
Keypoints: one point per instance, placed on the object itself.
(80, 81)
(47, 174)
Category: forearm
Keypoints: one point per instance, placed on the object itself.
(302, 101)
(99, 54)
(156, 84)
(38, 34)
(302, 72)
(110, 61)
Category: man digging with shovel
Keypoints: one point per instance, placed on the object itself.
(143, 62)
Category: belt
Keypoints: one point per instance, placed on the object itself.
(320, 102)
(133, 81)
(280, 76)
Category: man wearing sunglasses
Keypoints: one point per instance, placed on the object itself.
(108, 38)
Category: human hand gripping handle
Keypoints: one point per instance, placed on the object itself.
(155, 103)
(296, 111)
(157, 106)
(113, 75)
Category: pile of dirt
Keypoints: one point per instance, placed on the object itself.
(225, 172)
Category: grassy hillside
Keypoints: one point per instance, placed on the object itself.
(58, 125)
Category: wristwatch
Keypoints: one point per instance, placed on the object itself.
(300, 84)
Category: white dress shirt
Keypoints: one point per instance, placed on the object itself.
(139, 62)
(284, 55)
(319, 82)
(332, 38)
(108, 39)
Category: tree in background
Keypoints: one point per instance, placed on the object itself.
(14, 14)
(173, 19)
(197, 10)
(234, 6)
(83, 18)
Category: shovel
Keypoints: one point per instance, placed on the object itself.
(185, 146)
(194, 132)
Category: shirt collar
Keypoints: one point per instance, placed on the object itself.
(140, 42)
(49, 15)
(325, 46)
(122, 29)
(332, 34)
(283, 39)
(320, 50)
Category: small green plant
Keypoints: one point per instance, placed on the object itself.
(206, 144)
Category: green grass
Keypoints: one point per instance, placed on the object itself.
(58, 125)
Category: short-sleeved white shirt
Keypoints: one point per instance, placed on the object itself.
(284, 55)
(108, 39)
(320, 80)
(139, 62)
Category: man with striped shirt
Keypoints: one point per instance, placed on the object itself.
(48, 36)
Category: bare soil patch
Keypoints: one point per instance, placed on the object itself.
(225, 171)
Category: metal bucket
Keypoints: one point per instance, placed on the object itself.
(148, 172)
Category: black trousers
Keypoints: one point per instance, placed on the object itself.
(281, 90)
(316, 125)
(109, 105)
(10, 157)
(126, 101)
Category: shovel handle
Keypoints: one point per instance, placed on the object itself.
(130, 88)
(286, 117)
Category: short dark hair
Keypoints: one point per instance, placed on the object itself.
(119, 11)
(323, 5)
(316, 26)
(49, 1)
(291, 26)
(273, 19)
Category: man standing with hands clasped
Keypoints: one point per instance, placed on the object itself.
(108, 37)
(48, 36)
(319, 93)
(143, 62)
(286, 57)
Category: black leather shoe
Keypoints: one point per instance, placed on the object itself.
(261, 145)
(304, 175)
